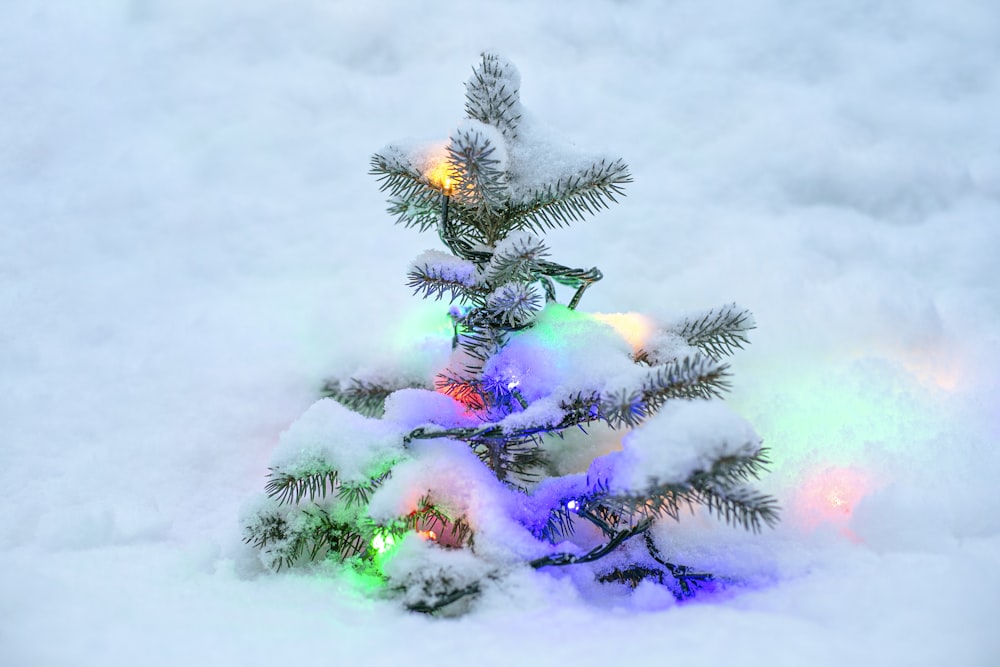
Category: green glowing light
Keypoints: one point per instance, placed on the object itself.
(383, 542)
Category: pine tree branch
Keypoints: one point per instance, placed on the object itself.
(288, 487)
(432, 283)
(717, 332)
(429, 517)
(314, 535)
(480, 184)
(492, 95)
(696, 377)
(518, 260)
(558, 525)
(422, 213)
(595, 553)
(359, 493)
(688, 578)
(692, 377)
(366, 398)
(413, 199)
(442, 601)
(571, 198)
(514, 305)
(718, 489)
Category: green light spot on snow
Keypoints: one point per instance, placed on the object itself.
(838, 414)
(422, 321)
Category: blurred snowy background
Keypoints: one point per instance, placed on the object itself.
(190, 243)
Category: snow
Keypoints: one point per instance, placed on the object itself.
(411, 408)
(328, 434)
(445, 266)
(190, 244)
(682, 438)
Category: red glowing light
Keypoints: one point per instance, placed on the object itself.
(463, 393)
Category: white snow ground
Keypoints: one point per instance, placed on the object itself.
(189, 243)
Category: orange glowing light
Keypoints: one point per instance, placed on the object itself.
(635, 328)
(428, 535)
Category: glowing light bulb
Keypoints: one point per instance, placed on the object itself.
(428, 535)
(441, 176)
(572, 506)
(382, 542)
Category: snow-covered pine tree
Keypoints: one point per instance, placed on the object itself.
(441, 485)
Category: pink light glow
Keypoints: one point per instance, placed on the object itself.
(829, 496)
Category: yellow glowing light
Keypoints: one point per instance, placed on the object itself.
(428, 535)
(635, 328)
(442, 176)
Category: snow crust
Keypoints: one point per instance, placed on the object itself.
(190, 245)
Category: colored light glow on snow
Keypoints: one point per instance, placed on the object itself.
(635, 328)
(383, 542)
(837, 414)
(423, 322)
(934, 366)
(830, 495)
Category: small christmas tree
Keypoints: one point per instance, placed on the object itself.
(442, 484)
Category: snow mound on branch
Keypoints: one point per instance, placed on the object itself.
(455, 481)
(446, 267)
(410, 408)
(565, 352)
(428, 574)
(540, 157)
(330, 435)
(682, 438)
(481, 136)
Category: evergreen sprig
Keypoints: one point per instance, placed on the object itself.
(287, 487)
(572, 198)
(432, 282)
(481, 189)
(413, 199)
(358, 493)
(429, 517)
(515, 305)
(492, 95)
(691, 377)
(364, 396)
(719, 489)
(717, 332)
(519, 261)
(313, 536)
